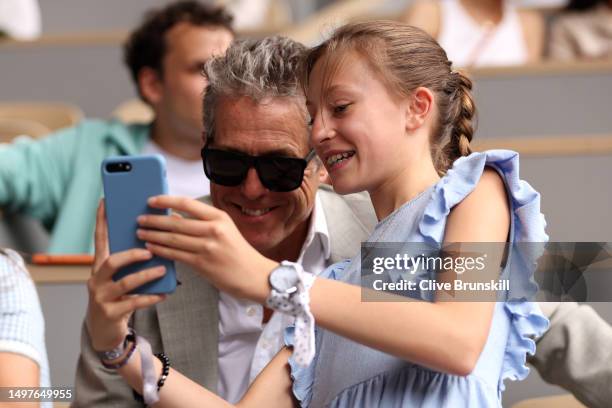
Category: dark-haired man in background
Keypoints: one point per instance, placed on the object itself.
(57, 179)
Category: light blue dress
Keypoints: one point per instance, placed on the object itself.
(347, 374)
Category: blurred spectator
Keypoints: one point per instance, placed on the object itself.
(20, 19)
(584, 31)
(271, 15)
(480, 33)
(259, 14)
(23, 356)
(249, 14)
(57, 179)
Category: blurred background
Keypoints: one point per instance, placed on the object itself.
(543, 87)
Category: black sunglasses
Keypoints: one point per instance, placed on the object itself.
(276, 173)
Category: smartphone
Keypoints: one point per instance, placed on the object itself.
(128, 182)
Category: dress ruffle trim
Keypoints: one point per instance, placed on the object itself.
(527, 323)
(302, 377)
(461, 179)
(528, 235)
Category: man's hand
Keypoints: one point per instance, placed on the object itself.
(110, 306)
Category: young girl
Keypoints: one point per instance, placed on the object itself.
(388, 116)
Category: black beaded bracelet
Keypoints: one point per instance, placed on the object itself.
(162, 378)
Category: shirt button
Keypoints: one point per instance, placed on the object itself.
(251, 311)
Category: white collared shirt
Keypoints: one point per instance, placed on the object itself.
(246, 345)
(185, 177)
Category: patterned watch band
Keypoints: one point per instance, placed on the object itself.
(297, 304)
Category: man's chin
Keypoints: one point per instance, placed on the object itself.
(262, 243)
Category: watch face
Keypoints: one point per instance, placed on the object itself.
(284, 279)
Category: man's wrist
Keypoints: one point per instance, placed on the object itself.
(106, 345)
(129, 345)
(121, 348)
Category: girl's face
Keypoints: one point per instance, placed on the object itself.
(358, 127)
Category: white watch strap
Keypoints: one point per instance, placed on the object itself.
(304, 345)
(147, 367)
(298, 305)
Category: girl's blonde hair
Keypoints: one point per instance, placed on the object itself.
(405, 58)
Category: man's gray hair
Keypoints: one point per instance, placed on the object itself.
(258, 69)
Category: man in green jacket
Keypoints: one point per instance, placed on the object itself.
(57, 179)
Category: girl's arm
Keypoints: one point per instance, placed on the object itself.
(445, 336)
(271, 388)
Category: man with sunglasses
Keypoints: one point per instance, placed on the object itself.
(266, 177)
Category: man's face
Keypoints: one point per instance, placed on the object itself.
(188, 47)
(273, 127)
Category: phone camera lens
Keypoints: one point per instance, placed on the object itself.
(118, 167)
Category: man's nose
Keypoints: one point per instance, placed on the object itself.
(251, 187)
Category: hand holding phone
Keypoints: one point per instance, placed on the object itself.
(129, 181)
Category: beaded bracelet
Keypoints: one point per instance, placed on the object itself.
(162, 378)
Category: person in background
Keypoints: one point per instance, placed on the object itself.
(582, 32)
(57, 179)
(23, 356)
(20, 19)
(478, 33)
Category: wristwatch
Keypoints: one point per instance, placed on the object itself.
(284, 280)
(118, 351)
(289, 294)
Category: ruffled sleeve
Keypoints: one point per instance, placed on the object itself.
(461, 179)
(526, 324)
(527, 238)
(302, 377)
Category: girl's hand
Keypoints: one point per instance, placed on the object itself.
(210, 242)
(110, 306)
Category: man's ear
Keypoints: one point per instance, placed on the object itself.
(419, 108)
(150, 85)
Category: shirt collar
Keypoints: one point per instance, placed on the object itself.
(317, 227)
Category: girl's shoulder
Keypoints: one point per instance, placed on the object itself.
(481, 174)
(483, 214)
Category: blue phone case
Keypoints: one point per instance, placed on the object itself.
(125, 197)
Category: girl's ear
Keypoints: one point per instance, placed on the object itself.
(418, 108)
